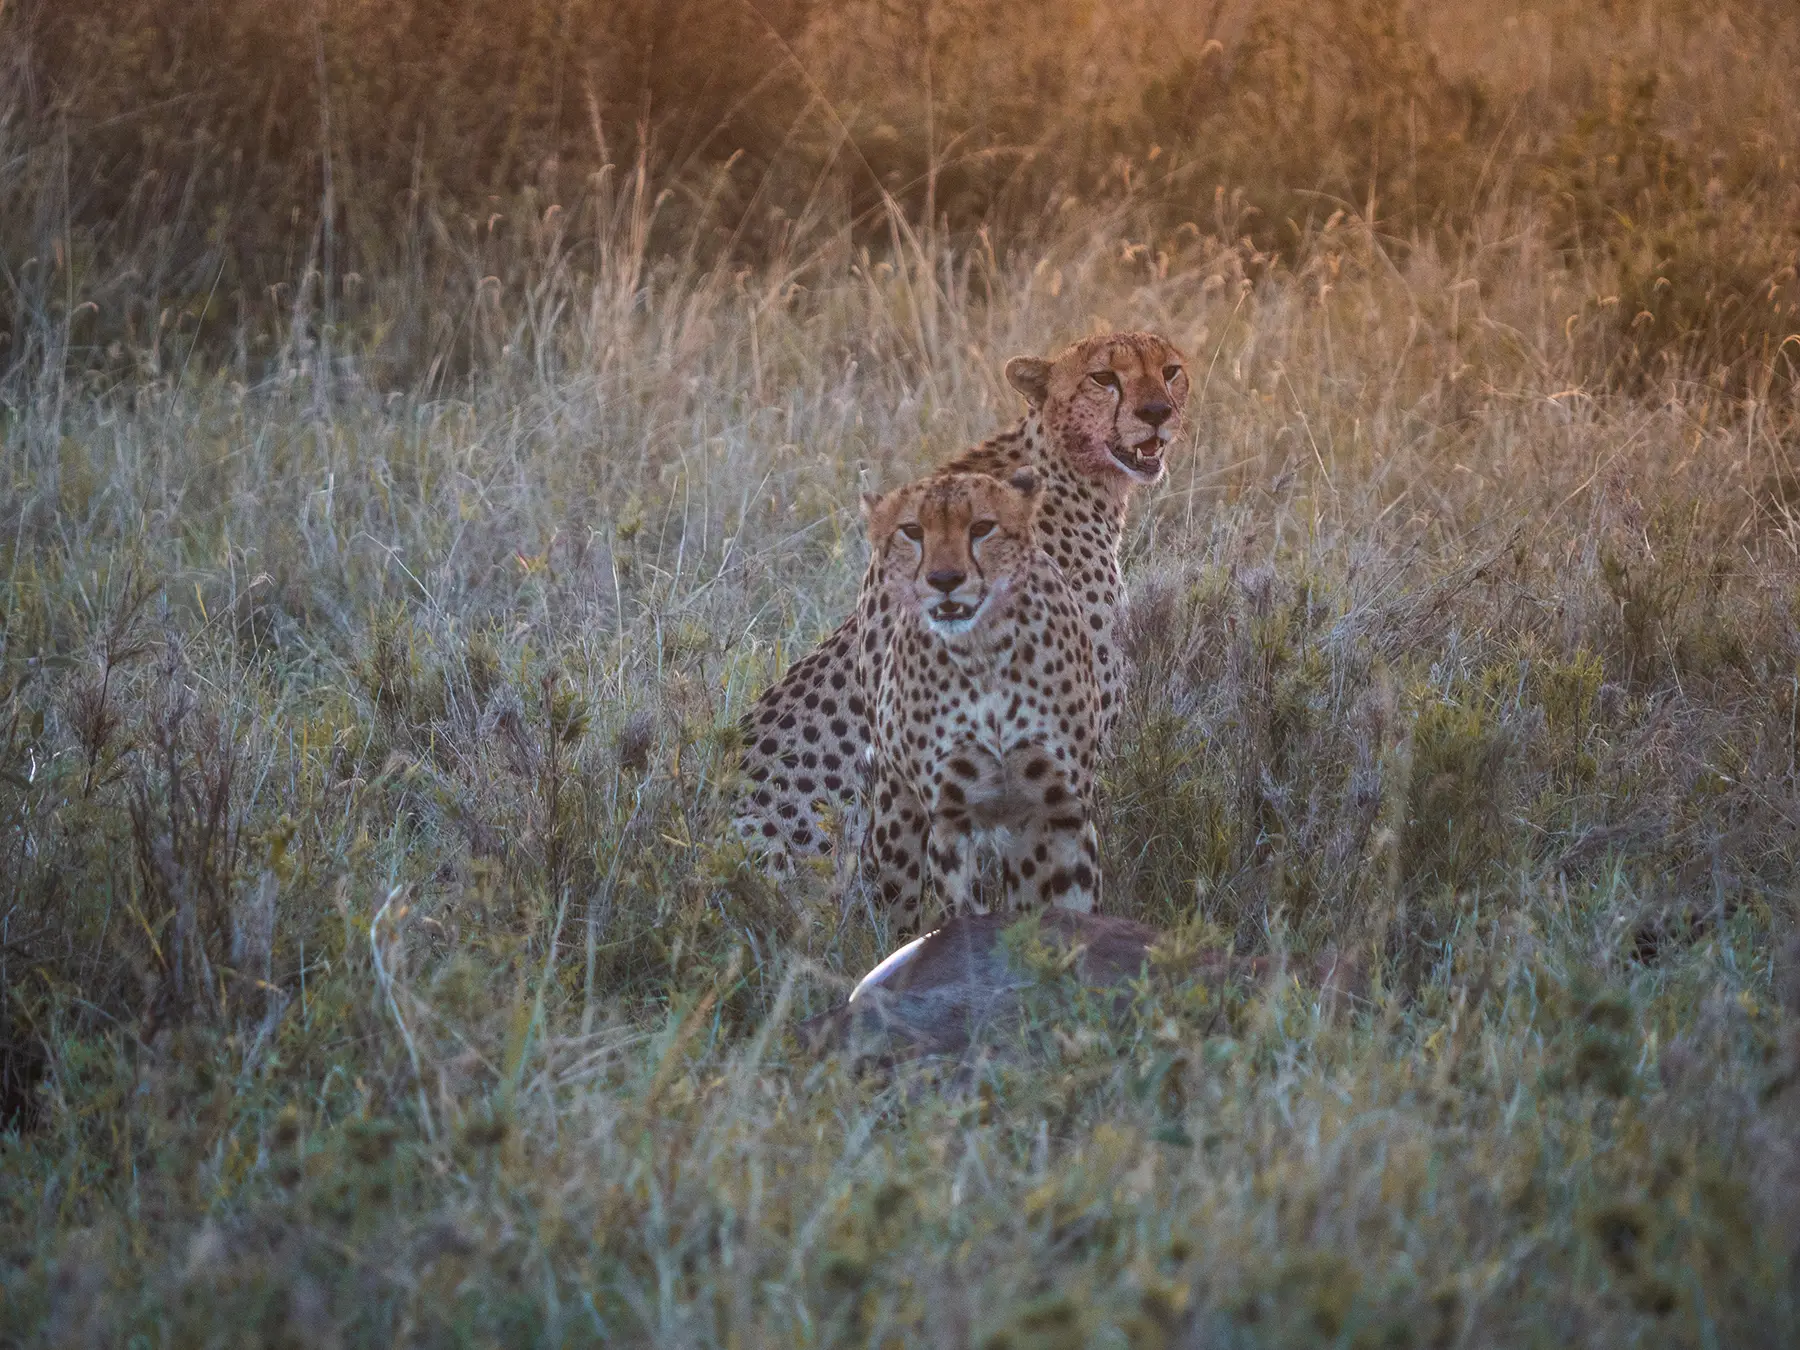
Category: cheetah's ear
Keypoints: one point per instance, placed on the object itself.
(1031, 377)
(878, 517)
(1029, 485)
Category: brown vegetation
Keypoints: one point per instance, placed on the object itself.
(386, 553)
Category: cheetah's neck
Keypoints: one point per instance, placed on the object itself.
(1029, 444)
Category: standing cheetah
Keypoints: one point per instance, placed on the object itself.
(986, 704)
(1100, 417)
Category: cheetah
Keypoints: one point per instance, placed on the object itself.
(1100, 418)
(987, 704)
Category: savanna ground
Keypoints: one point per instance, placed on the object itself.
(426, 428)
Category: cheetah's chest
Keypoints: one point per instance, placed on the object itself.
(987, 727)
(998, 759)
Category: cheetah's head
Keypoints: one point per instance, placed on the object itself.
(954, 542)
(1111, 404)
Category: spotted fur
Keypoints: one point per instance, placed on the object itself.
(986, 705)
(1100, 417)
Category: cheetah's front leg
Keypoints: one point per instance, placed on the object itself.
(953, 860)
(894, 845)
(1053, 858)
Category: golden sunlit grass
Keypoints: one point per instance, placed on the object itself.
(385, 566)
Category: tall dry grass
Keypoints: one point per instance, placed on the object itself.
(374, 965)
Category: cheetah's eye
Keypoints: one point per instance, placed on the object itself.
(1106, 380)
(1169, 374)
(981, 529)
(913, 532)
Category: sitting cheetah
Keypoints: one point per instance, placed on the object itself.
(987, 703)
(1100, 417)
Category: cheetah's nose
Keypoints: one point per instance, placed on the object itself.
(1156, 411)
(946, 580)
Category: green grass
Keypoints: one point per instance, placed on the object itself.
(375, 966)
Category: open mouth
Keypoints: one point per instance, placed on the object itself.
(951, 611)
(1145, 458)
